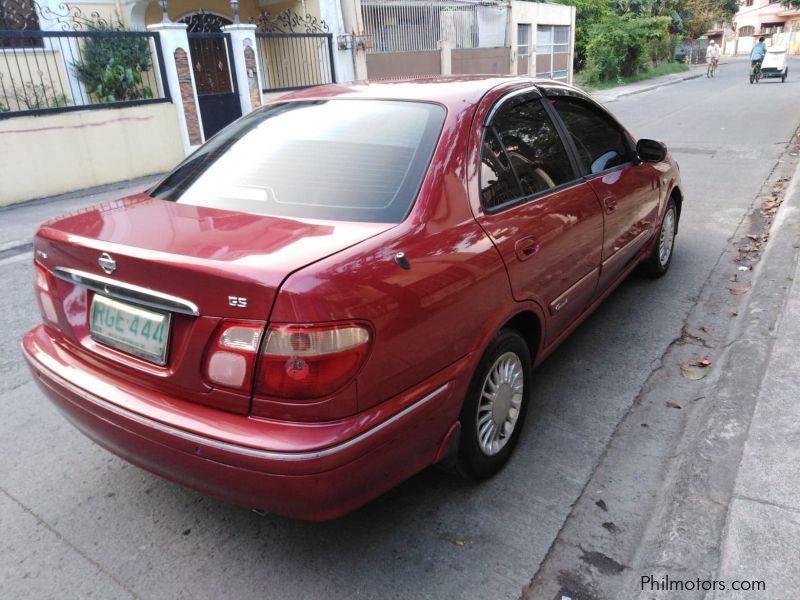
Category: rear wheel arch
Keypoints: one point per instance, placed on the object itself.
(528, 325)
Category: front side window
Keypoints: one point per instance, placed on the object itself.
(522, 140)
(340, 160)
(600, 144)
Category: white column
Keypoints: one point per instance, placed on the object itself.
(173, 37)
(243, 35)
(330, 11)
(571, 64)
(446, 43)
(446, 56)
(354, 24)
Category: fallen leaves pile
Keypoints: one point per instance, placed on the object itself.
(752, 246)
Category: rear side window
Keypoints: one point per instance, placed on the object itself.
(498, 183)
(600, 143)
(343, 160)
(525, 144)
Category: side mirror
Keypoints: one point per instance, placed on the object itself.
(650, 150)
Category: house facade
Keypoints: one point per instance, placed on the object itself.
(778, 24)
(125, 88)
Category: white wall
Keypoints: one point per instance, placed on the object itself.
(537, 13)
(53, 154)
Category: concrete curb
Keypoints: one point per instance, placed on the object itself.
(677, 522)
(761, 523)
(692, 533)
(631, 89)
(654, 86)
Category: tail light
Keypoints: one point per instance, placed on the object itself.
(311, 361)
(41, 283)
(231, 358)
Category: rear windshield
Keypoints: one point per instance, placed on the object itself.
(342, 160)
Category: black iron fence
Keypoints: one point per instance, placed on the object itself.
(56, 71)
(692, 52)
(290, 61)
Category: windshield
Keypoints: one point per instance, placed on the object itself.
(343, 160)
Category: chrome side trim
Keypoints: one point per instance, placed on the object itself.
(564, 298)
(233, 448)
(127, 292)
(623, 252)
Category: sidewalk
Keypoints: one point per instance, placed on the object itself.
(630, 89)
(730, 507)
(762, 531)
(18, 222)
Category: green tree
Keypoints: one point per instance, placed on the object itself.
(622, 45)
(587, 14)
(616, 38)
(111, 67)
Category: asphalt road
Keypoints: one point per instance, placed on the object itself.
(77, 522)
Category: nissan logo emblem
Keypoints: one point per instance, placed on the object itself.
(108, 264)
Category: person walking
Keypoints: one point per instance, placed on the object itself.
(712, 57)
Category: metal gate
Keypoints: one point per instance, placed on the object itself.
(291, 61)
(217, 89)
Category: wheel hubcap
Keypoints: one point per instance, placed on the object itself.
(501, 399)
(666, 238)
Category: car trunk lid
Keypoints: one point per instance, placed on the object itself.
(211, 264)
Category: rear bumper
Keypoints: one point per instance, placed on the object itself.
(301, 470)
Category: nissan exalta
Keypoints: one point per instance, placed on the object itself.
(347, 286)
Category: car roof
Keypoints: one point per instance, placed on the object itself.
(456, 92)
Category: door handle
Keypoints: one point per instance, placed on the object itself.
(526, 247)
(610, 203)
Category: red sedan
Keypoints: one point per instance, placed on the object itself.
(346, 286)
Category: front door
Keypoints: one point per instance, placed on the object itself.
(627, 189)
(212, 62)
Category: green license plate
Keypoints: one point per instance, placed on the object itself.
(132, 329)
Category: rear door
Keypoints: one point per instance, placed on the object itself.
(544, 219)
(627, 189)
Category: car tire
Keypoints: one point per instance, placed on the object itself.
(494, 408)
(657, 263)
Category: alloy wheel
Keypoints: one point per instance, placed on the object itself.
(500, 403)
(666, 238)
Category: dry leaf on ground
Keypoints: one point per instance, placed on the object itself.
(699, 362)
(692, 374)
(738, 291)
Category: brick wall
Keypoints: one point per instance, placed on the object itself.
(252, 77)
(187, 96)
